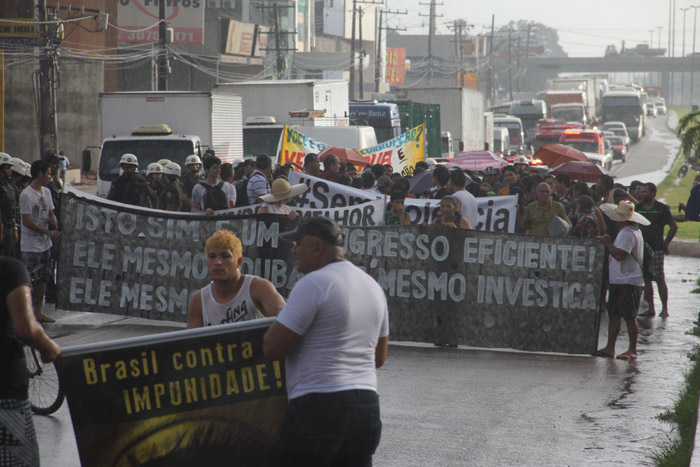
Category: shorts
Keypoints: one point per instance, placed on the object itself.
(18, 443)
(39, 266)
(658, 273)
(624, 300)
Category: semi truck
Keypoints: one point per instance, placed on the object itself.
(166, 125)
(571, 105)
(413, 114)
(589, 86)
(461, 113)
(287, 102)
(384, 118)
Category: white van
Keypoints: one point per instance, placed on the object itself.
(354, 137)
(501, 141)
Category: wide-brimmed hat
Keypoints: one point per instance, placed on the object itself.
(281, 189)
(624, 211)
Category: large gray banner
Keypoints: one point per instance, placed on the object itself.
(444, 286)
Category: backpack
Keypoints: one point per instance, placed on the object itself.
(242, 193)
(215, 198)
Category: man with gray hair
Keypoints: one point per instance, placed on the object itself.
(539, 214)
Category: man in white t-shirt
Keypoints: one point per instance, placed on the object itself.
(626, 279)
(231, 296)
(333, 333)
(469, 207)
(37, 210)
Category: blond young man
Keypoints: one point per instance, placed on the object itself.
(231, 296)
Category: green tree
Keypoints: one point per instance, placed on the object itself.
(688, 131)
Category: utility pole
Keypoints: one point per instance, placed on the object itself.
(378, 61)
(352, 51)
(510, 63)
(48, 75)
(460, 26)
(162, 72)
(280, 47)
(517, 66)
(527, 48)
(684, 10)
(431, 33)
(692, 57)
(491, 92)
(362, 59)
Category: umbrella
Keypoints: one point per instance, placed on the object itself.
(476, 161)
(345, 155)
(555, 154)
(581, 171)
(421, 182)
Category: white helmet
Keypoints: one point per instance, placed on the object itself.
(154, 168)
(129, 159)
(163, 162)
(18, 165)
(27, 169)
(193, 159)
(521, 160)
(172, 168)
(5, 159)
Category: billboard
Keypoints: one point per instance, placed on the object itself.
(396, 66)
(138, 21)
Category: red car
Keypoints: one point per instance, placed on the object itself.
(619, 146)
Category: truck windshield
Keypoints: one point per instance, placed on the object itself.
(514, 130)
(146, 150)
(261, 140)
(572, 114)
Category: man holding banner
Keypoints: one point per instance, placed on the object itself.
(231, 296)
(334, 333)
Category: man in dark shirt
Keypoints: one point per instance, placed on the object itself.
(130, 187)
(18, 326)
(331, 168)
(659, 216)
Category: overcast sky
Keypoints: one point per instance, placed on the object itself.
(585, 27)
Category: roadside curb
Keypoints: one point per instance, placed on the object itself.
(688, 248)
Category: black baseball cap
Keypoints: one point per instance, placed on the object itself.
(318, 226)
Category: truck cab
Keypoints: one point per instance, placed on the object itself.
(383, 117)
(569, 112)
(501, 141)
(149, 143)
(261, 135)
(447, 145)
(515, 130)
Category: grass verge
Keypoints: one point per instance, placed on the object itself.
(684, 416)
(674, 190)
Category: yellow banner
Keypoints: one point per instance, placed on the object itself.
(402, 152)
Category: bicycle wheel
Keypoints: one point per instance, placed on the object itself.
(45, 393)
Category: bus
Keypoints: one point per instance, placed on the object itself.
(625, 106)
(529, 111)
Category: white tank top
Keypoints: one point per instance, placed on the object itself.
(241, 308)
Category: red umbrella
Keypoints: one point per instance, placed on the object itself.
(476, 161)
(345, 155)
(581, 171)
(555, 154)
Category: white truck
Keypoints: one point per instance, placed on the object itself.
(461, 113)
(166, 125)
(267, 105)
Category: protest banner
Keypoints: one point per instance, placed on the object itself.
(496, 213)
(401, 152)
(444, 285)
(195, 397)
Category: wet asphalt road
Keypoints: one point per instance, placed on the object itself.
(472, 407)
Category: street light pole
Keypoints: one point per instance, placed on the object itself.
(684, 10)
(692, 57)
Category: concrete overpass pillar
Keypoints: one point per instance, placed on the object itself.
(666, 85)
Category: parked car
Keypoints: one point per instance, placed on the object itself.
(651, 110)
(660, 107)
(603, 160)
(619, 146)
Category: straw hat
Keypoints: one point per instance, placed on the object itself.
(281, 189)
(624, 211)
